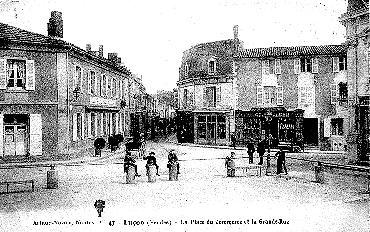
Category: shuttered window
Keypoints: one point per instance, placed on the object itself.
(35, 134)
(279, 97)
(277, 66)
(297, 66)
(334, 93)
(30, 75)
(3, 65)
(17, 74)
(93, 82)
(335, 64)
(259, 95)
(315, 65)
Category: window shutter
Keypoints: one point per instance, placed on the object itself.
(84, 82)
(30, 75)
(205, 100)
(96, 124)
(89, 134)
(82, 125)
(74, 127)
(106, 86)
(3, 67)
(117, 124)
(74, 81)
(334, 93)
(96, 84)
(279, 98)
(191, 98)
(218, 94)
(297, 66)
(88, 83)
(327, 125)
(81, 80)
(315, 65)
(335, 64)
(101, 124)
(259, 95)
(277, 66)
(35, 134)
(1, 135)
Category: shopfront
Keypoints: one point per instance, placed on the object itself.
(283, 126)
(211, 128)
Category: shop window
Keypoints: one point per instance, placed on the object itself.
(16, 74)
(337, 126)
(221, 127)
(202, 127)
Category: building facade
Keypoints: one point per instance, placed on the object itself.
(295, 94)
(356, 21)
(56, 98)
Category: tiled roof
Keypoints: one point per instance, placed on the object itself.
(16, 35)
(292, 51)
(10, 34)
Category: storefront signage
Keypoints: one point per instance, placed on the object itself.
(287, 126)
(281, 115)
(98, 101)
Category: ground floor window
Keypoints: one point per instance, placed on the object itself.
(337, 126)
(211, 127)
(16, 134)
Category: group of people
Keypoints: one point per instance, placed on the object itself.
(151, 160)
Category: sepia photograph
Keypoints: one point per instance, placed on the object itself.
(185, 116)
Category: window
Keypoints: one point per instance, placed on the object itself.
(16, 74)
(103, 86)
(211, 66)
(98, 85)
(114, 88)
(265, 67)
(93, 124)
(306, 65)
(337, 126)
(211, 96)
(92, 83)
(269, 95)
(109, 87)
(306, 95)
(185, 99)
(104, 123)
(339, 63)
(277, 66)
(186, 69)
(343, 91)
(79, 125)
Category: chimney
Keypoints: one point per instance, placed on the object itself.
(112, 56)
(236, 32)
(88, 47)
(55, 25)
(101, 54)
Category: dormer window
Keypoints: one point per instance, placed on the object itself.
(211, 66)
(186, 69)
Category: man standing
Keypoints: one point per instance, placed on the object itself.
(151, 160)
(250, 152)
(261, 150)
(281, 162)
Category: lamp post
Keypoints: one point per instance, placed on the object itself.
(268, 118)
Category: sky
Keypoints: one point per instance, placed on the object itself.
(151, 35)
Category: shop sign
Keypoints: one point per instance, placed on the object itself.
(98, 101)
(287, 126)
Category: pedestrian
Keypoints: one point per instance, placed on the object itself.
(129, 161)
(230, 165)
(172, 158)
(280, 164)
(233, 140)
(151, 160)
(250, 152)
(261, 150)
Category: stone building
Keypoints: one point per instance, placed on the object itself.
(356, 21)
(296, 94)
(56, 98)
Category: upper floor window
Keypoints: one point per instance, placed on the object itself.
(269, 67)
(211, 96)
(339, 92)
(109, 87)
(93, 82)
(103, 89)
(337, 126)
(114, 88)
(306, 65)
(16, 74)
(78, 78)
(306, 95)
(265, 67)
(98, 85)
(211, 66)
(269, 95)
(186, 69)
(185, 99)
(339, 63)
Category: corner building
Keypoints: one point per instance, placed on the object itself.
(56, 98)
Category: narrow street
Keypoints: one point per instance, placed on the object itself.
(202, 193)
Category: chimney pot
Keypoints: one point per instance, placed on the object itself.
(55, 24)
(236, 31)
(88, 47)
(101, 53)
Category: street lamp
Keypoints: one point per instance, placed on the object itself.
(268, 118)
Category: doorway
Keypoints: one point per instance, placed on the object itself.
(310, 131)
(15, 134)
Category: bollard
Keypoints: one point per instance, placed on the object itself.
(172, 172)
(319, 173)
(130, 174)
(52, 178)
(151, 173)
